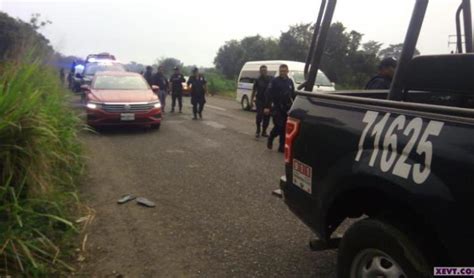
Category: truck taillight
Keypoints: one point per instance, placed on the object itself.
(292, 130)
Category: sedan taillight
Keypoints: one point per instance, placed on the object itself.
(292, 130)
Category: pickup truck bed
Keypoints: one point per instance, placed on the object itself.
(357, 154)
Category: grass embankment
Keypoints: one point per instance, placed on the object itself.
(228, 94)
(221, 86)
(40, 162)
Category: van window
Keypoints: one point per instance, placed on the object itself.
(321, 79)
(248, 76)
(251, 76)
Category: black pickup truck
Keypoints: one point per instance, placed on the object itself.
(399, 161)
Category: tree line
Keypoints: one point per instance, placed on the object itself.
(20, 39)
(168, 64)
(217, 83)
(347, 60)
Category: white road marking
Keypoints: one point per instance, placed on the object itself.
(208, 105)
(214, 124)
(215, 107)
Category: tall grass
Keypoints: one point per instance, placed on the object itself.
(40, 162)
(218, 84)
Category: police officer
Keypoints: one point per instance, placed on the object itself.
(176, 83)
(258, 97)
(62, 76)
(280, 93)
(160, 80)
(383, 79)
(77, 82)
(70, 76)
(148, 75)
(198, 92)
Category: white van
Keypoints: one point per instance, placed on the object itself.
(251, 71)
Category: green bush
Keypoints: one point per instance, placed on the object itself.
(40, 162)
(218, 84)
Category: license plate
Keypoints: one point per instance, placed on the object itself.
(127, 117)
(302, 175)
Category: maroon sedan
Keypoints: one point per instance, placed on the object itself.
(121, 98)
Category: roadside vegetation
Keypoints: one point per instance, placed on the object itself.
(40, 158)
(218, 84)
(347, 60)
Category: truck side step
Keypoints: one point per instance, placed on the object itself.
(321, 245)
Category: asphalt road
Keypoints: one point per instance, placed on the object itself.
(215, 216)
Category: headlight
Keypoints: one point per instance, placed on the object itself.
(157, 105)
(92, 105)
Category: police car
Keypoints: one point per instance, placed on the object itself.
(94, 67)
(100, 57)
(94, 63)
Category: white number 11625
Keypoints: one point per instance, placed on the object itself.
(386, 142)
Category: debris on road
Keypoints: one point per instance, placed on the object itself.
(116, 274)
(125, 199)
(140, 200)
(277, 193)
(82, 219)
(145, 202)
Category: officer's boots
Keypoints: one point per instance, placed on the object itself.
(281, 149)
(270, 142)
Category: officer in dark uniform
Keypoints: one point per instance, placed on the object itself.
(198, 92)
(148, 75)
(280, 93)
(258, 97)
(62, 76)
(71, 75)
(383, 79)
(160, 80)
(176, 82)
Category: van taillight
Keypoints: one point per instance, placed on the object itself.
(292, 130)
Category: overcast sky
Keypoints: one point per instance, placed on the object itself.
(193, 31)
